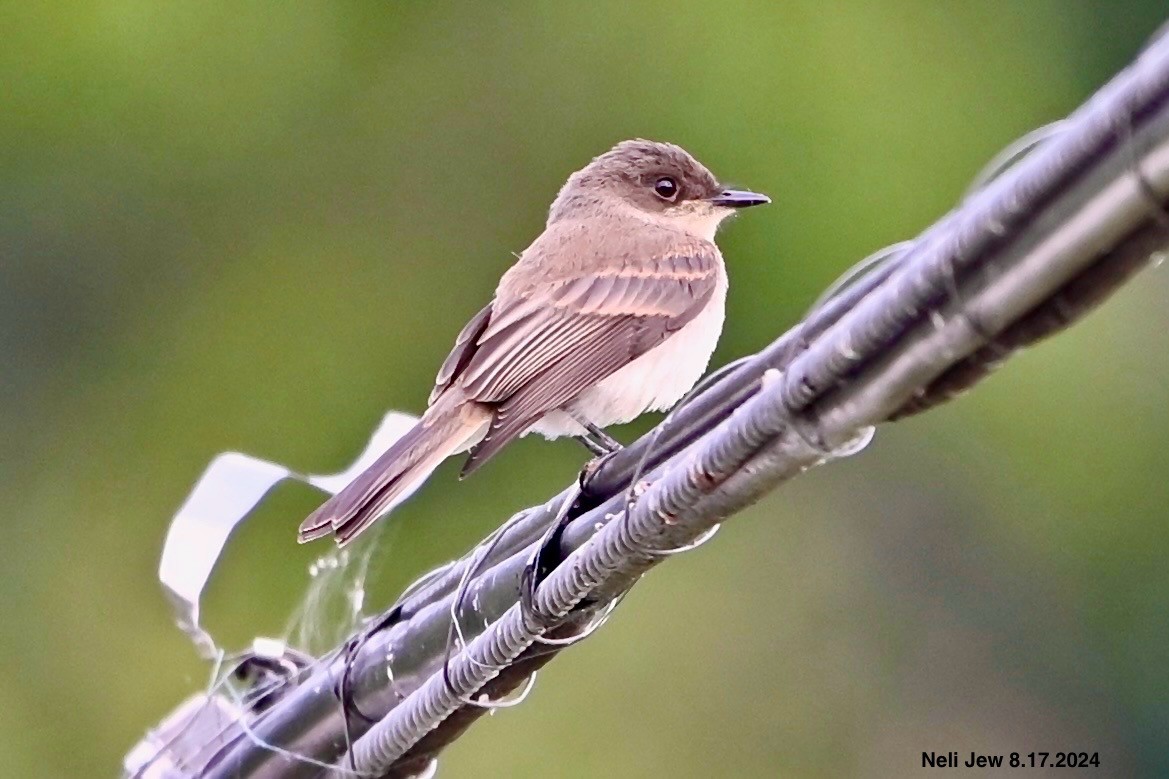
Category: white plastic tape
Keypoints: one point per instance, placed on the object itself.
(225, 495)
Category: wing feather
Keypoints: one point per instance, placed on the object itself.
(563, 339)
(461, 353)
(500, 367)
(560, 384)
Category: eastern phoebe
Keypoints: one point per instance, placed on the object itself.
(613, 310)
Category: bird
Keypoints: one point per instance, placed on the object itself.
(612, 311)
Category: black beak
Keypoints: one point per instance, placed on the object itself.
(739, 198)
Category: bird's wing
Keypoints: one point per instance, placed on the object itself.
(541, 347)
(460, 355)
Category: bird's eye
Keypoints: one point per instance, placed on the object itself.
(666, 188)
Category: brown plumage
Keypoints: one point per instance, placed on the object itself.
(619, 270)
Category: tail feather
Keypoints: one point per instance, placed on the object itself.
(449, 426)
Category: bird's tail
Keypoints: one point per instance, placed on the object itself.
(450, 425)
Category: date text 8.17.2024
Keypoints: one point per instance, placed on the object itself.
(1012, 760)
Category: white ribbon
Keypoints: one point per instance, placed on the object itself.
(227, 492)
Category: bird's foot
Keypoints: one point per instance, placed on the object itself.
(591, 468)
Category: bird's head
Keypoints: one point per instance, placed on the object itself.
(659, 180)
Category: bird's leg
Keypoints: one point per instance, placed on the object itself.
(596, 440)
(595, 447)
(608, 442)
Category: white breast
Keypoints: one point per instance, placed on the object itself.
(654, 381)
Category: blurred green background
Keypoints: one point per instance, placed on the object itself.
(258, 226)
